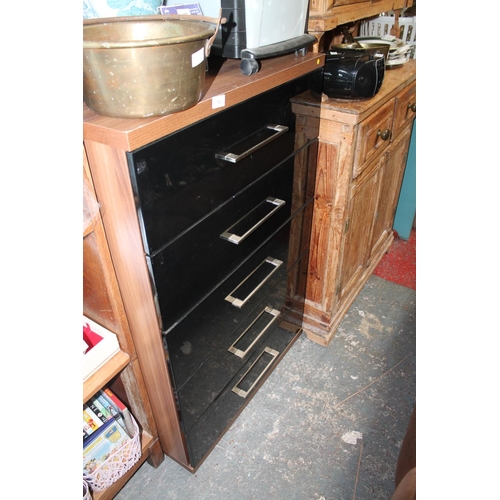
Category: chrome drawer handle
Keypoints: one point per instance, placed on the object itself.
(232, 237)
(274, 313)
(250, 280)
(251, 372)
(234, 157)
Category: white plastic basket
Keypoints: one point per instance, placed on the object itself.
(117, 464)
(381, 26)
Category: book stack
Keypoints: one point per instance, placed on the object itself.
(107, 427)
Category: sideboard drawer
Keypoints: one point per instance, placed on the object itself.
(374, 134)
(405, 109)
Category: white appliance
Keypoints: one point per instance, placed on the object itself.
(256, 29)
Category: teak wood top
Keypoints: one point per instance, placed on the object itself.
(224, 81)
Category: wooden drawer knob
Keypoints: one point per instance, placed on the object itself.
(384, 134)
(413, 107)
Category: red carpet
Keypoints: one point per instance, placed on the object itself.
(399, 263)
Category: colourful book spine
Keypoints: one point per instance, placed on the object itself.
(85, 433)
(102, 408)
(111, 395)
(124, 411)
(106, 403)
(87, 430)
(91, 418)
(110, 406)
(100, 415)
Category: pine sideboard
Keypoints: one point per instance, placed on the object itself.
(363, 147)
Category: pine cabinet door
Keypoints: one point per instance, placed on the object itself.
(391, 177)
(356, 247)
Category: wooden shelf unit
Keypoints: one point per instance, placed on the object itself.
(105, 374)
(103, 304)
(326, 15)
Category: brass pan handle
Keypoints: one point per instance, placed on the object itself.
(384, 134)
(216, 21)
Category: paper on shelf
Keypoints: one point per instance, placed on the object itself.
(101, 352)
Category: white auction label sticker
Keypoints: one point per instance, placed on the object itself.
(218, 101)
(197, 58)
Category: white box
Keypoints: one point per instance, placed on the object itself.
(101, 352)
(266, 22)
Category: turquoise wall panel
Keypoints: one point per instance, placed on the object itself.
(407, 204)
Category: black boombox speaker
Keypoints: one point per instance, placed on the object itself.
(350, 74)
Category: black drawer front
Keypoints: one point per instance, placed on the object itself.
(179, 180)
(191, 266)
(214, 320)
(235, 349)
(238, 392)
(209, 347)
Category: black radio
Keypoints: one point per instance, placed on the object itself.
(350, 74)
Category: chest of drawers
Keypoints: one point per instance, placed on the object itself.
(217, 202)
(209, 228)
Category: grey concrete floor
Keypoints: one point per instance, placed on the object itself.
(327, 424)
